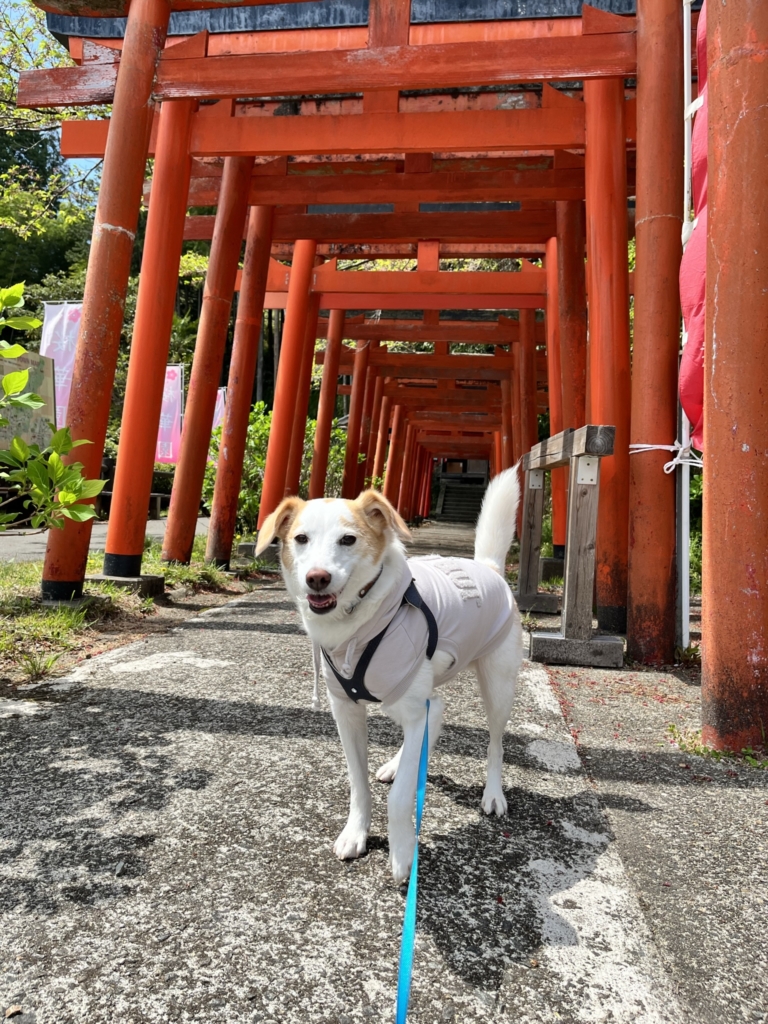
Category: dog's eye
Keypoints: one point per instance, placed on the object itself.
(301, 538)
(348, 540)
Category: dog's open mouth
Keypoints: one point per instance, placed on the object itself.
(321, 603)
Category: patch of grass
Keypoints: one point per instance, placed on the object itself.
(38, 666)
(688, 655)
(690, 741)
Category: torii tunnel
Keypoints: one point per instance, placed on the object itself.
(435, 129)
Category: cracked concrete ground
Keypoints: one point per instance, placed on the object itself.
(165, 829)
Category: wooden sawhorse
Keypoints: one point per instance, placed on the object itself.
(580, 450)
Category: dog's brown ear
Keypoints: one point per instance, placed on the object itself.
(381, 514)
(278, 524)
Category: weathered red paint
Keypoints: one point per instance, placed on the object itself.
(107, 279)
(303, 388)
(403, 500)
(609, 336)
(365, 425)
(559, 481)
(735, 571)
(242, 368)
(572, 296)
(395, 458)
(326, 409)
(528, 413)
(354, 423)
(207, 362)
(149, 344)
(382, 439)
(507, 444)
(651, 590)
(288, 372)
(373, 435)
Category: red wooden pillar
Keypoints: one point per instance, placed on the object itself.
(735, 594)
(326, 409)
(395, 458)
(303, 389)
(426, 501)
(365, 427)
(288, 372)
(354, 423)
(207, 362)
(517, 427)
(405, 478)
(378, 391)
(651, 613)
(242, 368)
(572, 296)
(507, 444)
(109, 265)
(150, 342)
(498, 458)
(382, 439)
(555, 391)
(528, 411)
(606, 195)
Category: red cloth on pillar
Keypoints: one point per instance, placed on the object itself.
(693, 268)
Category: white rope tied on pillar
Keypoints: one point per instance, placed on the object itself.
(684, 454)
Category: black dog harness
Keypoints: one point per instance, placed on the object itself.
(355, 687)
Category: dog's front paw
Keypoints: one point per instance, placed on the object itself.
(494, 801)
(401, 859)
(351, 843)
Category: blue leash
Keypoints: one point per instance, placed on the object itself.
(409, 921)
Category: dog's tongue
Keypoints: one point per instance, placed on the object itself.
(321, 600)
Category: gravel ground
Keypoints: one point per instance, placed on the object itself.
(167, 817)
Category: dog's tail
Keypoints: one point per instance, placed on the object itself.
(497, 520)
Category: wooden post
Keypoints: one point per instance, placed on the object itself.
(354, 423)
(109, 265)
(302, 393)
(383, 438)
(735, 592)
(395, 458)
(245, 347)
(365, 425)
(606, 197)
(528, 412)
(555, 391)
(572, 296)
(408, 469)
(207, 362)
(652, 575)
(373, 433)
(507, 444)
(150, 342)
(326, 409)
(517, 423)
(289, 369)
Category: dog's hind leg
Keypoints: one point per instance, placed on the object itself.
(388, 770)
(352, 724)
(497, 676)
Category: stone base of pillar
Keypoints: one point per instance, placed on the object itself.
(551, 569)
(598, 652)
(612, 619)
(144, 586)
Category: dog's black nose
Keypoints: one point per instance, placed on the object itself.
(318, 579)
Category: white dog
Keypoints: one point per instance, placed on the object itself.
(384, 639)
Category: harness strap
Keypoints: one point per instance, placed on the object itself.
(355, 687)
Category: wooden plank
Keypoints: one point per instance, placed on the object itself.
(431, 66)
(456, 331)
(557, 450)
(437, 186)
(463, 300)
(530, 538)
(583, 494)
(431, 282)
(519, 226)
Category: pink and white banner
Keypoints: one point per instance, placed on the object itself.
(218, 414)
(61, 323)
(169, 432)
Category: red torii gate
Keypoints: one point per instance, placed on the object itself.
(599, 49)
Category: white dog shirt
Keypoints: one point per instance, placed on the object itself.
(474, 611)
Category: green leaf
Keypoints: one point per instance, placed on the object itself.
(55, 467)
(80, 513)
(15, 382)
(22, 323)
(10, 351)
(20, 449)
(91, 488)
(61, 441)
(12, 297)
(28, 401)
(76, 444)
(7, 517)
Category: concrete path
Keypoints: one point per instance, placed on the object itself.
(23, 546)
(166, 819)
